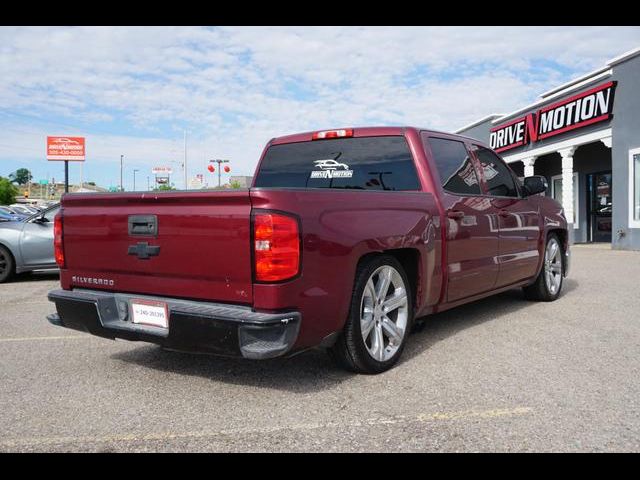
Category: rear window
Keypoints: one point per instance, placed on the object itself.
(365, 163)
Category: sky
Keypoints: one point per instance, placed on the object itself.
(133, 91)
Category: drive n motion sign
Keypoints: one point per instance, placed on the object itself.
(65, 148)
(586, 108)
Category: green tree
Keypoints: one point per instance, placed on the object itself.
(8, 192)
(21, 176)
(235, 184)
(164, 187)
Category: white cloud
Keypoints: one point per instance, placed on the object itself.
(235, 88)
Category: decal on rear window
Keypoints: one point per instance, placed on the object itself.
(360, 163)
(329, 168)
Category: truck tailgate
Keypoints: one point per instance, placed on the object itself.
(203, 239)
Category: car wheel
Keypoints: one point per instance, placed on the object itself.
(379, 319)
(548, 285)
(7, 264)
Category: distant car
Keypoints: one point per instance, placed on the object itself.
(8, 214)
(30, 208)
(21, 209)
(330, 164)
(27, 245)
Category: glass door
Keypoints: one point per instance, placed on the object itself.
(600, 206)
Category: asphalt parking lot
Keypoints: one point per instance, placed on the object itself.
(502, 374)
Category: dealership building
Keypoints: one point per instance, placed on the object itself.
(584, 137)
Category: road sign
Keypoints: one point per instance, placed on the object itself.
(66, 148)
(195, 183)
(43, 182)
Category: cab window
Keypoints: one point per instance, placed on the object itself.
(455, 168)
(498, 176)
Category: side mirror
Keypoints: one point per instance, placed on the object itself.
(41, 219)
(534, 185)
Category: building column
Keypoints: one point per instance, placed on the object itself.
(567, 185)
(528, 166)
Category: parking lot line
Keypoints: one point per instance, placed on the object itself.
(29, 339)
(163, 436)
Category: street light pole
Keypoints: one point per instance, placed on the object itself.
(121, 160)
(219, 162)
(148, 187)
(134, 178)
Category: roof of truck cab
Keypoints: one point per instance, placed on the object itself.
(364, 132)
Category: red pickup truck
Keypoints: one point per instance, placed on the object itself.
(345, 237)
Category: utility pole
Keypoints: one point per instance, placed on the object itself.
(186, 186)
(148, 187)
(66, 176)
(134, 178)
(121, 163)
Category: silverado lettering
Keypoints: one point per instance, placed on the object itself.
(92, 280)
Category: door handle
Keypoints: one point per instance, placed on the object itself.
(504, 213)
(455, 214)
(144, 225)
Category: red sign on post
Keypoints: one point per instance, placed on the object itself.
(66, 148)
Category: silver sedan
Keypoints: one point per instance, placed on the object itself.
(27, 245)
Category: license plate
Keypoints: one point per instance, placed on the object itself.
(148, 312)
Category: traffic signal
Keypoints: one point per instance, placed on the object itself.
(26, 194)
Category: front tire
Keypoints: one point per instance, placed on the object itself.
(379, 319)
(7, 265)
(548, 285)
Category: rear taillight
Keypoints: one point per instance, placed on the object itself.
(276, 247)
(58, 248)
(345, 132)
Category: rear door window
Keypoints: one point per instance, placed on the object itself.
(457, 172)
(362, 163)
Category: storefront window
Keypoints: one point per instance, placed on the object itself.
(636, 187)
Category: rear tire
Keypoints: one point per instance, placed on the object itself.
(548, 285)
(380, 318)
(7, 265)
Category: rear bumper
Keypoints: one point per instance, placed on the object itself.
(202, 327)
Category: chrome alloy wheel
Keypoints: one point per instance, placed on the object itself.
(553, 266)
(384, 313)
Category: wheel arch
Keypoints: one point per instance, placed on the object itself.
(13, 256)
(563, 236)
(409, 258)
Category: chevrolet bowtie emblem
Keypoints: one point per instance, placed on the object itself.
(143, 250)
